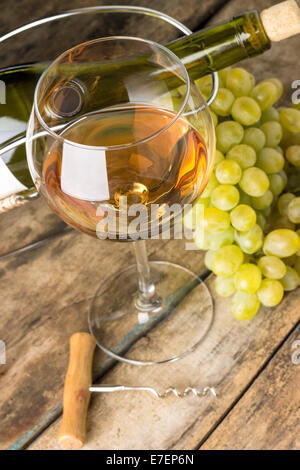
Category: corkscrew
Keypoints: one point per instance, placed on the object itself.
(78, 389)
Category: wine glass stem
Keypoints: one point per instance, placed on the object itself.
(147, 299)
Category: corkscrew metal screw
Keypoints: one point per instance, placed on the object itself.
(169, 391)
(77, 391)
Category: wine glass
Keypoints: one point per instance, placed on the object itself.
(119, 143)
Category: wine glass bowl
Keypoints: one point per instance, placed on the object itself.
(117, 123)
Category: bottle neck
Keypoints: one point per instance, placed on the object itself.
(223, 45)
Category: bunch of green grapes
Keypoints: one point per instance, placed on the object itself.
(251, 206)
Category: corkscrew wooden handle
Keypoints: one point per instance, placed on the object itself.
(76, 391)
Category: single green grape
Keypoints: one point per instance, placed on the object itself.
(265, 93)
(246, 111)
(290, 119)
(208, 258)
(219, 157)
(224, 286)
(289, 138)
(272, 267)
(189, 220)
(201, 239)
(282, 222)
(292, 154)
(294, 210)
(228, 172)
(205, 85)
(270, 292)
(223, 102)
(248, 278)
(223, 75)
(214, 118)
(228, 133)
(261, 221)
(192, 218)
(278, 84)
(213, 240)
(273, 133)
(203, 201)
(293, 180)
(284, 177)
(254, 182)
(245, 306)
(291, 279)
(225, 197)
(211, 185)
(281, 243)
(250, 242)
(243, 218)
(217, 240)
(277, 184)
(227, 260)
(263, 202)
(239, 81)
(255, 138)
(283, 203)
(242, 154)
(270, 114)
(205, 240)
(270, 160)
(215, 220)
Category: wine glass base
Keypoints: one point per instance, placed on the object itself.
(175, 327)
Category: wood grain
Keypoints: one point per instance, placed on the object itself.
(48, 41)
(228, 360)
(28, 224)
(268, 415)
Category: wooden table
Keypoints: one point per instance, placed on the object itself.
(46, 292)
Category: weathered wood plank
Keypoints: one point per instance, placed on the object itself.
(40, 44)
(268, 415)
(28, 224)
(229, 358)
(45, 298)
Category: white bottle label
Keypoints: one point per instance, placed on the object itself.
(9, 184)
(84, 173)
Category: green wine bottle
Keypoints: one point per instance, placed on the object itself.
(246, 35)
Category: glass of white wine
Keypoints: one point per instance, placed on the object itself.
(119, 142)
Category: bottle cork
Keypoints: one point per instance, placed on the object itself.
(282, 20)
